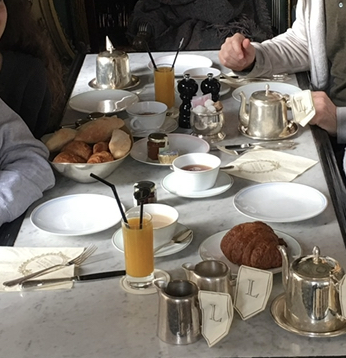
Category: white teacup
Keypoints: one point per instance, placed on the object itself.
(148, 115)
(201, 73)
(164, 219)
(196, 171)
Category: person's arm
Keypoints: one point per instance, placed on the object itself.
(24, 170)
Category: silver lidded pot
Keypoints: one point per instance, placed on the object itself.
(112, 68)
(312, 292)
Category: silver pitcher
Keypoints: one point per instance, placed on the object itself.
(312, 295)
(209, 275)
(179, 320)
(267, 114)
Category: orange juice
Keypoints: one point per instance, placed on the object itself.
(164, 85)
(138, 247)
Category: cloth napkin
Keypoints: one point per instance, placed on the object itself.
(263, 165)
(20, 261)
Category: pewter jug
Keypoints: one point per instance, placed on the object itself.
(267, 114)
(209, 275)
(179, 314)
(312, 296)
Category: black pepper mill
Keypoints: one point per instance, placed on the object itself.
(187, 88)
(211, 85)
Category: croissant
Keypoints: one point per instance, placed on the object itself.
(252, 244)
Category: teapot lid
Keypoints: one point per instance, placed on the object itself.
(267, 95)
(315, 266)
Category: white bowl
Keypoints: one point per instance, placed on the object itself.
(193, 179)
(201, 73)
(162, 234)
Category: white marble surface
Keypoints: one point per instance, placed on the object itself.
(99, 319)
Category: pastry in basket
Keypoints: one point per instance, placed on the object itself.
(252, 244)
(81, 149)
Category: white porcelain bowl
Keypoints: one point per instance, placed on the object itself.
(195, 179)
(162, 234)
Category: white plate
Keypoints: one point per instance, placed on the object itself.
(183, 63)
(118, 242)
(105, 101)
(223, 183)
(183, 143)
(225, 88)
(283, 88)
(79, 214)
(169, 125)
(280, 202)
(210, 249)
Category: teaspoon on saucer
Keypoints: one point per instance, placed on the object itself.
(179, 238)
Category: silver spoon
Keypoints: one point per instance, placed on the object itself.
(179, 238)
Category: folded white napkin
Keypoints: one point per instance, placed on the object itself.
(263, 165)
(20, 261)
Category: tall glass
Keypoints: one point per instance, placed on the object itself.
(138, 249)
(164, 84)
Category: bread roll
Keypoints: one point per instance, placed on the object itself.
(100, 147)
(120, 143)
(252, 244)
(101, 157)
(66, 157)
(60, 138)
(98, 130)
(81, 149)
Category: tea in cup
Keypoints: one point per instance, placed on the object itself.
(149, 115)
(196, 171)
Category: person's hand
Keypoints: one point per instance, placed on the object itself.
(325, 116)
(237, 53)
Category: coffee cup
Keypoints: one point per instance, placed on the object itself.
(164, 219)
(148, 115)
(201, 73)
(196, 171)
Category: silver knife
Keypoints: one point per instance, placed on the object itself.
(84, 278)
(268, 145)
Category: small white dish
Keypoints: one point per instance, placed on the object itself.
(105, 101)
(183, 143)
(280, 202)
(74, 215)
(169, 125)
(283, 88)
(183, 62)
(223, 183)
(117, 241)
(210, 250)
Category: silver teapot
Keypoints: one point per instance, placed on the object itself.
(312, 295)
(267, 114)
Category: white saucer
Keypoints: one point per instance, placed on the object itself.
(223, 183)
(144, 291)
(134, 82)
(117, 241)
(169, 125)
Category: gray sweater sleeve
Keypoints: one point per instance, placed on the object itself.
(24, 170)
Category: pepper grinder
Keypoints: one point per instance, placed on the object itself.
(187, 88)
(211, 85)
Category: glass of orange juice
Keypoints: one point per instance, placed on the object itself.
(138, 249)
(164, 84)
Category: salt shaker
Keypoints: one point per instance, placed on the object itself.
(211, 85)
(187, 88)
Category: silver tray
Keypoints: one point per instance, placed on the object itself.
(134, 82)
(277, 311)
(291, 131)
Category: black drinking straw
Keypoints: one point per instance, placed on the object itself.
(141, 195)
(150, 55)
(114, 192)
(176, 55)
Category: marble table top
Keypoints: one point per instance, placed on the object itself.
(99, 319)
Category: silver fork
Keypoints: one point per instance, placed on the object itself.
(87, 252)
